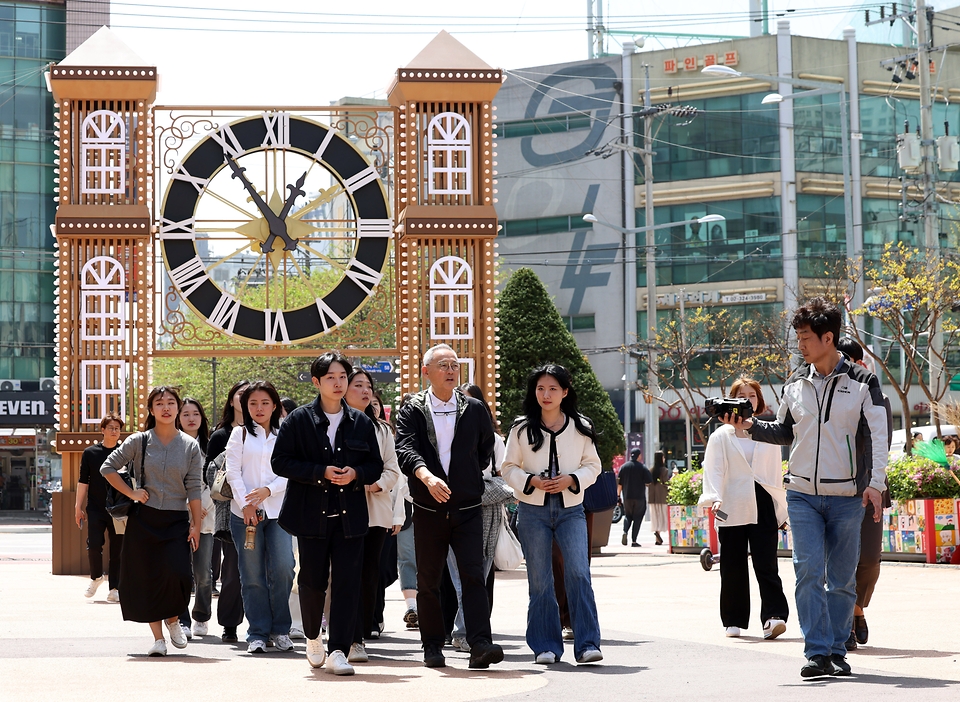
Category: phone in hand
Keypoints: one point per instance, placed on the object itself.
(720, 515)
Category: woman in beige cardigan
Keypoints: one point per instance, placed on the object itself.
(551, 459)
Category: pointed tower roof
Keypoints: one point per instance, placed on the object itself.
(443, 69)
(104, 68)
(444, 51)
(104, 48)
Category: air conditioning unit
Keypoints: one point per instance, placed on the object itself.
(48, 384)
(9, 385)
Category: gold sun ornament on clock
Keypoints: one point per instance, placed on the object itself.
(275, 229)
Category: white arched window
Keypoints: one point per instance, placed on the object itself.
(103, 152)
(448, 155)
(451, 299)
(103, 284)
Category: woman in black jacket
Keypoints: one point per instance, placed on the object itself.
(328, 451)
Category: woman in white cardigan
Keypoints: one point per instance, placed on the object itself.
(743, 485)
(549, 475)
(379, 508)
(266, 570)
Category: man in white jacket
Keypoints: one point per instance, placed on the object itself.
(824, 403)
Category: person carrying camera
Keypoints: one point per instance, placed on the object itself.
(825, 401)
(743, 486)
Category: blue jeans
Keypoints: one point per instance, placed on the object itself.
(826, 550)
(266, 577)
(539, 527)
(202, 581)
(407, 559)
(459, 628)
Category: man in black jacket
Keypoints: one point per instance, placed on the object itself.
(444, 438)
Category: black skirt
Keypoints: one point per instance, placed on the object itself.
(156, 569)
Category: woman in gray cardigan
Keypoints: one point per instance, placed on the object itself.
(155, 566)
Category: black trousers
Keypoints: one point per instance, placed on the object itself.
(369, 583)
(434, 534)
(98, 525)
(868, 569)
(633, 511)
(230, 603)
(342, 559)
(762, 539)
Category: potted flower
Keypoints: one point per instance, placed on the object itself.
(691, 527)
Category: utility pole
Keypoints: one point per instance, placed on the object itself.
(651, 428)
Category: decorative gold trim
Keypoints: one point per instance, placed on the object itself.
(447, 75)
(104, 72)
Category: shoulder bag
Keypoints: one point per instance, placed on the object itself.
(602, 495)
(117, 504)
(219, 488)
(508, 555)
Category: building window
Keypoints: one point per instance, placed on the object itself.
(102, 292)
(448, 155)
(102, 389)
(103, 147)
(580, 322)
(544, 125)
(451, 299)
(544, 225)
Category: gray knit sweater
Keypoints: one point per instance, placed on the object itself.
(172, 472)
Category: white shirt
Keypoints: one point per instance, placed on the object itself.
(444, 423)
(334, 420)
(248, 467)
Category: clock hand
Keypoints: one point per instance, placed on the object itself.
(295, 191)
(277, 226)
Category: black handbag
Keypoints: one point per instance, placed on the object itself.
(117, 504)
(602, 495)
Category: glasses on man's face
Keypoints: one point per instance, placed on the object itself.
(447, 366)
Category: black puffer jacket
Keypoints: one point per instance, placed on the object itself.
(302, 454)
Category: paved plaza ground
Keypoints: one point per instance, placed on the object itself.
(662, 640)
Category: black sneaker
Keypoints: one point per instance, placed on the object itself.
(851, 643)
(860, 628)
(229, 634)
(433, 658)
(483, 653)
(817, 667)
(840, 665)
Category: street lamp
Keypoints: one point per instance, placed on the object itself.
(651, 421)
(854, 234)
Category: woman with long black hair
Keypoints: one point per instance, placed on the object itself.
(551, 459)
(155, 566)
(192, 421)
(230, 602)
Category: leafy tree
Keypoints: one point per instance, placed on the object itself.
(532, 333)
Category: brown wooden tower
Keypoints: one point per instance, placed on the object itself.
(102, 93)
(446, 223)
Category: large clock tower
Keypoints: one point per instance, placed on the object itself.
(102, 97)
(447, 224)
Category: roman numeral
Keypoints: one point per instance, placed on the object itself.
(177, 230)
(358, 180)
(198, 183)
(278, 129)
(375, 228)
(189, 276)
(275, 327)
(324, 144)
(326, 313)
(363, 275)
(224, 315)
(228, 141)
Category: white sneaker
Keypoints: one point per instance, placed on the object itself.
(257, 646)
(200, 629)
(732, 632)
(773, 627)
(358, 654)
(186, 632)
(282, 642)
(113, 596)
(591, 655)
(460, 644)
(176, 634)
(567, 634)
(296, 633)
(93, 587)
(546, 658)
(315, 653)
(159, 648)
(337, 664)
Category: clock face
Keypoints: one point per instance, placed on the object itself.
(275, 229)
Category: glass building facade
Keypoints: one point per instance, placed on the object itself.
(31, 36)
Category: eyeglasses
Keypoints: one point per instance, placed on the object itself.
(447, 366)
